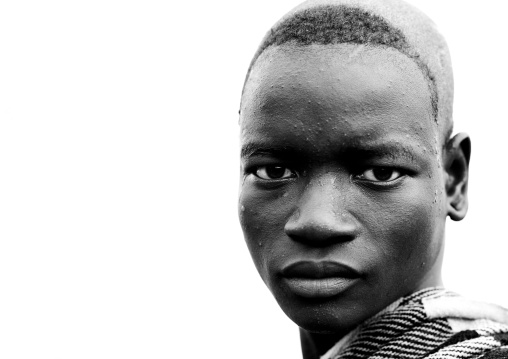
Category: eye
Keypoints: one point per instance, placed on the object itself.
(274, 172)
(380, 174)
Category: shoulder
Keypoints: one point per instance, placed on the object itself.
(480, 330)
(472, 345)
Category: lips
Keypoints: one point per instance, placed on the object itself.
(317, 270)
(319, 279)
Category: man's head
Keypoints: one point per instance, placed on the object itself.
(348, 171)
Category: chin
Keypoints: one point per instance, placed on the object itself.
(325, 325)
(323, 317)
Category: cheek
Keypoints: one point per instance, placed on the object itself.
(407, 231)
(262, 218)
(415, 232)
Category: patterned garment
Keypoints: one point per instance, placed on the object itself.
(433, 324)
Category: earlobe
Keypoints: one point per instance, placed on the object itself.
(456, 164)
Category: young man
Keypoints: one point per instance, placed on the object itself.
(349, 171)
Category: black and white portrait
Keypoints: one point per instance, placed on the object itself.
(252, 179)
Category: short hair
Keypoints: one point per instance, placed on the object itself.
(385, 23)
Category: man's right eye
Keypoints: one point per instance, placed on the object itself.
(274, 172)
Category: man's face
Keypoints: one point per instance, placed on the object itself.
(342, 199)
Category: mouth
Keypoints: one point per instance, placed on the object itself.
(322, 279)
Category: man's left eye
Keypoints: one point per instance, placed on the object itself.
(380, 174)
(273, 172)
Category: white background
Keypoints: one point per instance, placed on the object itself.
(119, 176)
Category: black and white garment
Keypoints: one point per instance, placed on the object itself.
(433, 324)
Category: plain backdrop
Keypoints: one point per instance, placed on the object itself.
(119, 176)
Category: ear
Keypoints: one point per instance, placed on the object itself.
(456, 165)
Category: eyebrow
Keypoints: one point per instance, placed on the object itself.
(253, 149)
(388, 149)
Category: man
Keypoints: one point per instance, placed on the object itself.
(349, 172)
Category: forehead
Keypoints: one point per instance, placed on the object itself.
(363, 90)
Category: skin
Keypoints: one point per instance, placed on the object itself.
(342, 162)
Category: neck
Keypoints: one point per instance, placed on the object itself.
(314, 345)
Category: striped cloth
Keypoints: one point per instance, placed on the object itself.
(432, 323)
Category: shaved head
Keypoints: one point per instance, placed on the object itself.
(378, 23)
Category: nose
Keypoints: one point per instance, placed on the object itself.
(321, 217)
